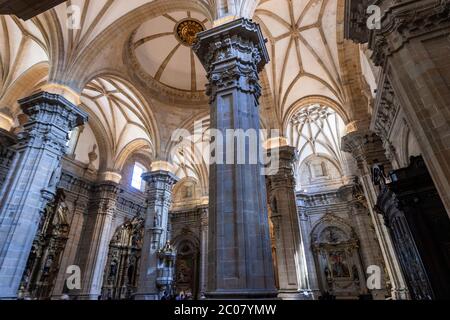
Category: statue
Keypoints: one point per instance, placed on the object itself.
(55, 177)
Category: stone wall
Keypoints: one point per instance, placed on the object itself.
(339, 209)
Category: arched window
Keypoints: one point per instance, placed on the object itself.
(316, 131)
(136, 180)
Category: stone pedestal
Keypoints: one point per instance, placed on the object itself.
(292, 271)
(159, 200)
(239, 253)
(96, 236)
(32, 180)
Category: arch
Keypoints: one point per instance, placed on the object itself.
(310, 100)
(151, 123)
(122, 117)
(188, 155)
(23, 86)
(316, 129)
(103, 144)
(128, 151)
(328, 220)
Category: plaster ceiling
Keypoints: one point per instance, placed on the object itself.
(316, 131)
(303, 50)
(21, 47)
(119, 111)
(165, 57)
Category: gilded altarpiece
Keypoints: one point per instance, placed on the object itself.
(122, 268)
(338, 263)
(45, 257)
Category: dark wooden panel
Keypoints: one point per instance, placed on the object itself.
(26, 9)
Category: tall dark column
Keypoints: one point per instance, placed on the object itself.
(239, 253)
(159, 200)
(6, 154)
(32, 180)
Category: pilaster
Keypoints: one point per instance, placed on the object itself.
(96, 235)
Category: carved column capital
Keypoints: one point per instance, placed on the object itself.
(104, 198)
(284, 177)
(233, 54)
(404, 20)
(51, 117)
(365, 146)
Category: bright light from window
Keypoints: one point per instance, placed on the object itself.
(138, 170)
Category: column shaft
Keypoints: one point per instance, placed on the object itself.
(159, 200)
(292, 270)
(32, 181)
(96, 236)
(7, 140)
(203, 253)
(239, 252)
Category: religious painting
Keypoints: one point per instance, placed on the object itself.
(336, 254)
(338, 262)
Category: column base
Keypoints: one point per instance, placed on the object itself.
(242, 295)
(85, 297)
(146, 297)
(302, 295)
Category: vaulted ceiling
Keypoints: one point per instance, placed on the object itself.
(113, 51)
(303, 50)
(119, 115)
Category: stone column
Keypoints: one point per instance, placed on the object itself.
(367, 149)
(96, 236)
(77, 193)
(306, 229)
(159, 200)
(292, 271)
(370, 251)
(412, 47)
(32, 180)
(240, 261)
(203, 252)
(7, 140)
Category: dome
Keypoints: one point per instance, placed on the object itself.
(162, 49)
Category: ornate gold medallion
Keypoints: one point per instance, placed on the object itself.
(186, 31)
